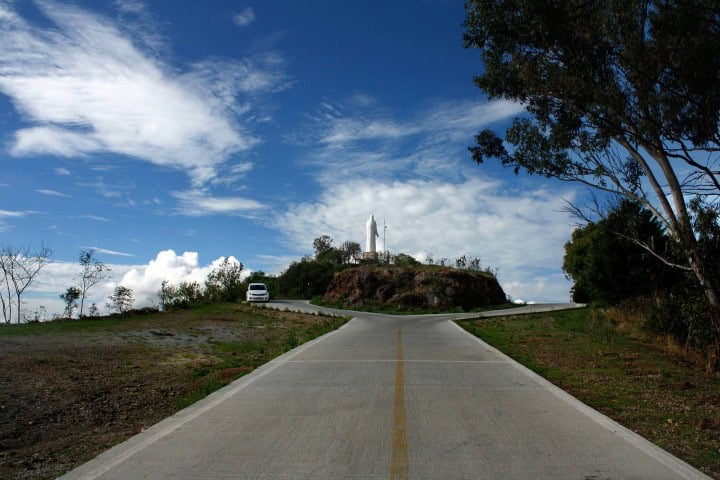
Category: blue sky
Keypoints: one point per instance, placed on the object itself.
(167, 134)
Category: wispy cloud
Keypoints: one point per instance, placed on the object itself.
(198, 203)
(108, 252)
(52, 193)
(245, 17)
(15, 213)
(62, 171)
(107, 190)
(451, 119)
(365, 141)
(89, 88)
(94, 218)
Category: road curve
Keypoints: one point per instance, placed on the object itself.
(386, 396)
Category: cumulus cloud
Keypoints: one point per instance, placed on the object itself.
(519, 232)
(144, 280)
(86, 87)
(245, 17)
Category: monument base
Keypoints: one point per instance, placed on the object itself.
(370, 255)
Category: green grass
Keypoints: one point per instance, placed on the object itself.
(662, 396)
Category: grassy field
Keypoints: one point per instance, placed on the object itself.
(69, 390)
(663, 396)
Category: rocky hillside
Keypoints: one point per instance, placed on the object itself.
(415, 287)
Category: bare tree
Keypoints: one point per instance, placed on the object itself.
(351, 252)
(93, 271)
(19, 266)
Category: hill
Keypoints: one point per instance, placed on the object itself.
(418, 286)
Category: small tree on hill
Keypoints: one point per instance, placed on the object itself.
(350, 252)
(322, 245)
(121, 300)
(70, 297)
(224, 283)
(403, 259)
(92, 272)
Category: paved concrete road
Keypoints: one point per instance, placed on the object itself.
(388, 397)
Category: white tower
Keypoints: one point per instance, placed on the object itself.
(370, 234)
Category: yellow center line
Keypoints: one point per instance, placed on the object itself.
(399, 464)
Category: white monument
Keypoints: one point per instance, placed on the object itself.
(370, 234)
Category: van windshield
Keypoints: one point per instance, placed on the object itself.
(258, 287)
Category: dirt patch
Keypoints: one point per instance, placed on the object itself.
(69, 392)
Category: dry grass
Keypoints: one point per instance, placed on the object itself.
(69, 390)
(654, 387)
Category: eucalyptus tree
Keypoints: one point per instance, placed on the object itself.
(621, 95)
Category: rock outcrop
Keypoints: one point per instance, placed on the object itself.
(415, 287)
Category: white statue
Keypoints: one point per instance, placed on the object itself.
(370, 234)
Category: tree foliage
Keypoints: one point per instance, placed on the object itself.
(70, 298)
(607, 267)
(224, 282)
(322, 245)
(306, 278)
(121, 300)
(401, 259)
(183, 295)
(623, 96)
(350, 252)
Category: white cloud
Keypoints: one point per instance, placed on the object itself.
(52, 193)
(14, 213)
(62, 171)
(450, 120)
(131, 6)
(108, 252)
(94, 218)
(87, 88)
(145, 280)
(521, 233)
(198, 203)
(367, 143)
(245, 17)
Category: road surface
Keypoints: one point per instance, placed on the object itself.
(399, 397)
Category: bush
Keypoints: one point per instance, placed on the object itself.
(682, 315)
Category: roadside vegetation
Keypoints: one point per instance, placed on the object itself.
(73, 388)
(404, 309)
(616, 100)
(605, 358)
